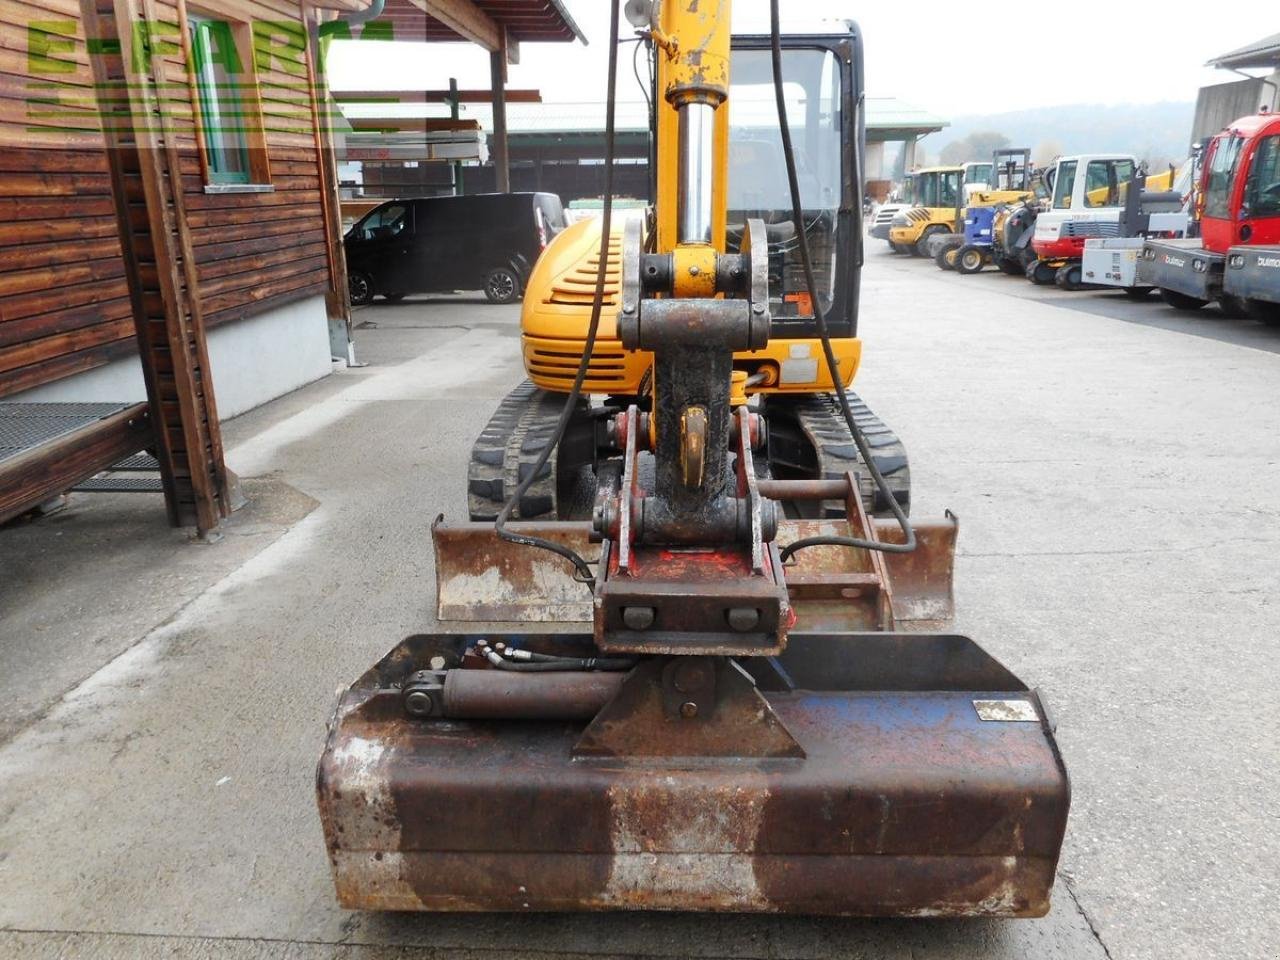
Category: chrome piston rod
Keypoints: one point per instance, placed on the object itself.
(697, 126)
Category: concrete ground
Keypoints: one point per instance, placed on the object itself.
(1115, 466)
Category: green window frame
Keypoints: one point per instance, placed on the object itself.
(219, 78)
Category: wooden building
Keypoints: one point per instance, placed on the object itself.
(169, 216)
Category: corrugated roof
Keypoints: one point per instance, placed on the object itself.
(1264, 53)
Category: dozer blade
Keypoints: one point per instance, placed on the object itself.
(924, 781)
(481, 578)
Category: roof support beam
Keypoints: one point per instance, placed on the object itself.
(498, 80)
(465, 19)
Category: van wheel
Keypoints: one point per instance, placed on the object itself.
(393, 297)
(360, 287)
(501, 285)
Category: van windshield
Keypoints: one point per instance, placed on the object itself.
(388, 221)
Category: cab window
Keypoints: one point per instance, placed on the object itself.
(927, 189)
(950, 188)
(979, 173)
(1222, 171)
(1262, 197)
(384, 223)
(1065, 185)
(1106, 182)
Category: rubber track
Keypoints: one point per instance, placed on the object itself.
(820, 419)
(506, 451)
(526, 419)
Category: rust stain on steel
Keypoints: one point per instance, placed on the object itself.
(635, 724)
(481, 577)
(501, 694)
(906, 803)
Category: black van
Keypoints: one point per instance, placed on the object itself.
(487, 242)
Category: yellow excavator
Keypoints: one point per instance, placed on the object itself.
(799, 396)
(717, 683)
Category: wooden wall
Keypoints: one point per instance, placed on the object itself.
(64, 304)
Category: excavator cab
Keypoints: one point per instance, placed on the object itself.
(730, 687)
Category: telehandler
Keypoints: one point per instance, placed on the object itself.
(741, 705)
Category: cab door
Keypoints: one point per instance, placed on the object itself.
(1258, 221)
(1217, 224)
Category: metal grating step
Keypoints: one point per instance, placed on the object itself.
(120, 485)
(27, 425)
(138, 463)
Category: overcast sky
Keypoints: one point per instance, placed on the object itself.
(1082, 52)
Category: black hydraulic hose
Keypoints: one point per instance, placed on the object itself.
(797, 213)
(546, 663)
(599, 664)
(583, 569)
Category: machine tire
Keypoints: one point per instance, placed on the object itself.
(1041, 274)
(922, 245)
(901, 249)
(1180, 301)
(1138, 293)
(360, 288)
(1233, 308)
(1070, 276)
(502, 285)
(941, 260)
(1264, 311)
(1011, 267)
(970, 260)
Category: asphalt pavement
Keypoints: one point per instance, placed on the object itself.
(1116, 469)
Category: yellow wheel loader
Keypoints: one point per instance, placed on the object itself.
(729, 687)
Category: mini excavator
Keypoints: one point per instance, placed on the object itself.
(725, 684)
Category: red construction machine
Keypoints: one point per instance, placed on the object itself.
(1236, 259)
(710, 695)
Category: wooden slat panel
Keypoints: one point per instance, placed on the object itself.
(33, 351)
(53, 299)
(24, 378)
(262, 275)
(268, 253)
(43, 325)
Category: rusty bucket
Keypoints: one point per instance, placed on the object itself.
(917, 777)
